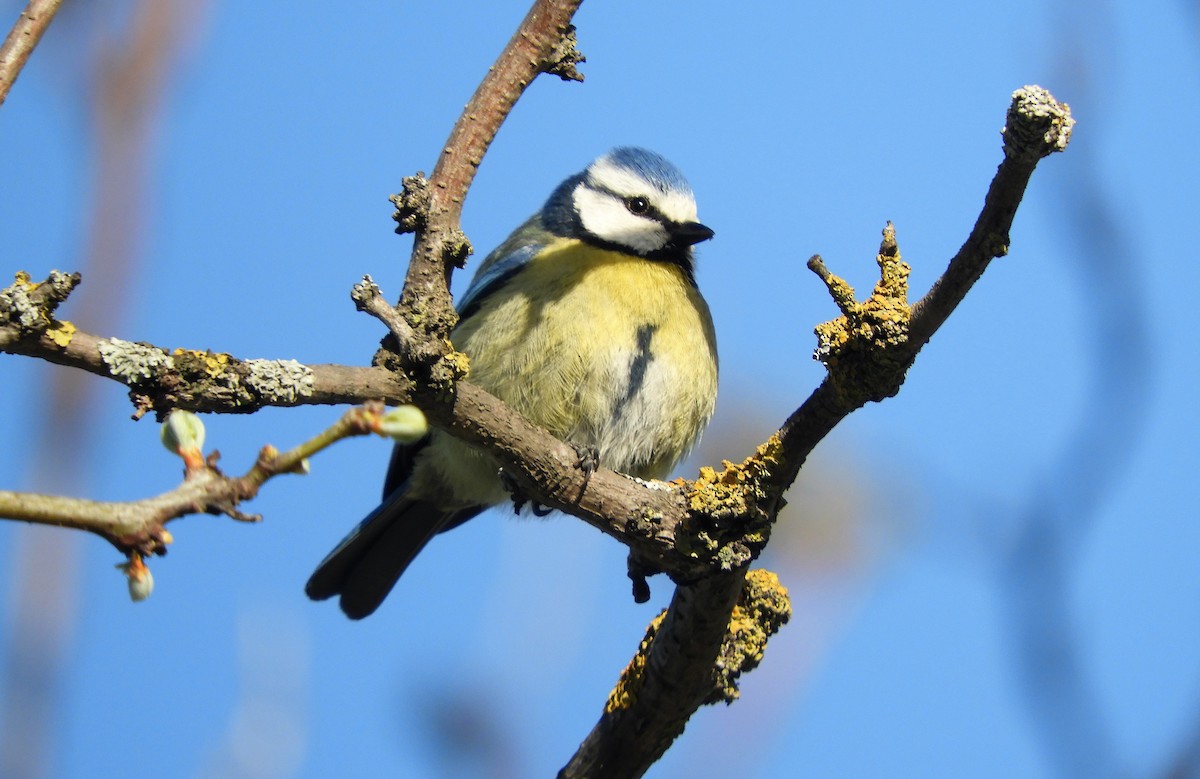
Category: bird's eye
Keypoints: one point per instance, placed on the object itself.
(637, 205)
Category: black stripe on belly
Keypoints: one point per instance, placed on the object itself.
(642, 356)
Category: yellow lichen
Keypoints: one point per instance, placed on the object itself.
(762, 608)
(731, 509)
(458, 363)
(61, 333)
(863, 349)
(625, 693)
(211, 363)
(731, 491)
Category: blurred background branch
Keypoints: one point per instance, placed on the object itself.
(123, 79)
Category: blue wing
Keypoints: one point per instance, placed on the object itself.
(504, 261)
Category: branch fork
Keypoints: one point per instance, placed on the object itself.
(864, 350)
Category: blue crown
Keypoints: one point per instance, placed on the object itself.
(651, 166)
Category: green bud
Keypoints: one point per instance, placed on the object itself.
(182, 432)
(405, 424)
(138, 577)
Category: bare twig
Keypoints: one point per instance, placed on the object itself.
(139, 526)
(29, 28)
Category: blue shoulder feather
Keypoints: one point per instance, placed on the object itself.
(505, 260)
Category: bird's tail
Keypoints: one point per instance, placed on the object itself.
(364, 567)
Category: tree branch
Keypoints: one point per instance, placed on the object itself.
(138, 527)
(29, 28)
(543, 43)
(693, 645)
(1037, 126)
(867, 352)
(644, 517)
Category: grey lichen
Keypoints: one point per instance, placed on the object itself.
(565, 57)
(412, 204)
(17, 308)
(1037, 125)
(133, 362)
(284, 381)
(29, 306)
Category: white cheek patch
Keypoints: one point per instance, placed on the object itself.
(607, 218)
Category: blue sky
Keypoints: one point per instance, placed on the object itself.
(1058, 389)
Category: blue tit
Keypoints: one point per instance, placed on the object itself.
(587, 321)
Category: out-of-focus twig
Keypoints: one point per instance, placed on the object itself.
(126, 87)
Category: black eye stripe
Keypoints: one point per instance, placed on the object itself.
(640, 205)
(649, 213)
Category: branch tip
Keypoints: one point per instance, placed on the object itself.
(1037, 125)
(30, 305)
(888, 245)
(362, 292)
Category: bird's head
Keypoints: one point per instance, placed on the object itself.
(630, 200)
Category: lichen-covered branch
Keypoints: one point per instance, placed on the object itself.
(29, 28)
(872, 344)
(162, 379)
(867, 352)
(692, 655)
(646, 517)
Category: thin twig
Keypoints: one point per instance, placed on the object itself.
(139, 526)
(29, 28)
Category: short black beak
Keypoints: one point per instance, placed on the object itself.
(689, 233)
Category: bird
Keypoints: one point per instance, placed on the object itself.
(587, 320)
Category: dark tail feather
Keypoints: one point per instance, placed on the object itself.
(365, 566)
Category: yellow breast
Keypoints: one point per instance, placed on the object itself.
(603, 349)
